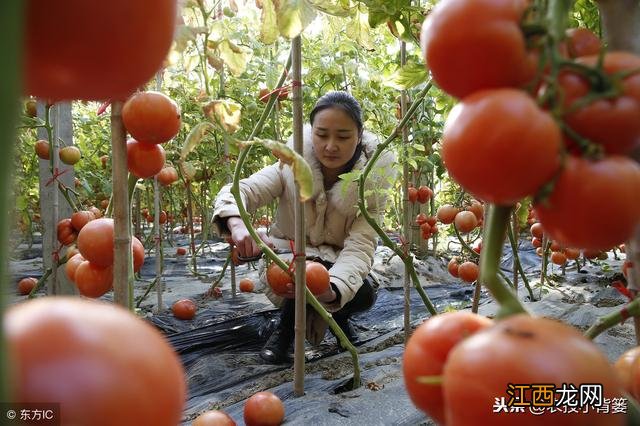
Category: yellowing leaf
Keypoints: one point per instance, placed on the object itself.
(268, 23)
(408, 76)
(301, 170)
(215, 61)
(294, 16)
(188, 170)
(225, 113)
(340, 8)
(234, 56)
(358, 29)
(193, 139)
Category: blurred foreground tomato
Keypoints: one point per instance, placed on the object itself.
(104, 365)
(78, 49)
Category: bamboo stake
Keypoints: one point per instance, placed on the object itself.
(406, 222)
(158, 243)
(300, 241)
(120, 196)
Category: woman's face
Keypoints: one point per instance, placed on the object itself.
(335, 137)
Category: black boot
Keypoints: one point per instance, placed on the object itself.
(276, 350)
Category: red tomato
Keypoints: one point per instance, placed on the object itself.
(558, 258)
(246, 285)
(151, 117)
(65, 232)
(465, 221)
(477, 209)
(98, 360)
(421, 218)
(453, 266)
(571, 253)
(426, 354)
(93, 280)
(537, 230)
(587, 192)
(486, 38)
(468, 271)
(535, 242)
(613, 122)
(623, 367)
(71, 266)
(412, 194)
(144, 160)
(263, 409)
(92, 43)
(81, 218)
(25, 285)
(167, 176)
(96, 212)
(446, 213)
(95, 242)
(138, 254)
(42, 149)
(424, 193)
(278, 279)
(213, 418)
(181, 251)
(513, 157)
(524, 350)
(317, 278)
(184, 309)
(582, 42)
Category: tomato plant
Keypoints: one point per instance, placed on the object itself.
(184, 309)
(95, 242)
(263, 409)
(426, 354)
(486, 38)
(151, 117)
(585, 193)
(522, 349)
(144, 160)
(133, 40)
(98, 360)
(512, 157)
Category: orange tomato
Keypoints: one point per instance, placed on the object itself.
(184, 309)
(95, 242)
(97, 360)
(263, 409)
(93, 280)
(246, 285)
(151, 117)
(144, 160)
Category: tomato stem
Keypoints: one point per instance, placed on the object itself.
(606, 322)
(518, 265)
(406, 257)
(495, 229)
(11, 41)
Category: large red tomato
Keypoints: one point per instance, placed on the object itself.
(278, 279)
(587, 192)
(427, 352)
(500, 146)
(263, 409)
(95, 242)
(474, 45)
(78, 49)
(151, 117)
(167, 175)
(524, 350)
(144, 160)
(138, 254)
(317, 277)
(611, 121)
(99, 361)
(92, 280)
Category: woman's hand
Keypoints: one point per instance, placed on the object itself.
(247, 247)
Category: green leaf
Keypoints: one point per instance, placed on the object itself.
(268, 23)
(418, 147)
(235, 57)
(194, 138)
(351, 176)
(294, 16)
(407, 76)
(413, 163)
(301, 171)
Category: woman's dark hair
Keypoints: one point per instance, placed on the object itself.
(349, 104)
(342, 100)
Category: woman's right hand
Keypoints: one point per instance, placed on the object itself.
(246, 246)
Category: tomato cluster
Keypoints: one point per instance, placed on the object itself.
(421, 194)
(564, 141)
(457, 364)
(92, 268)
